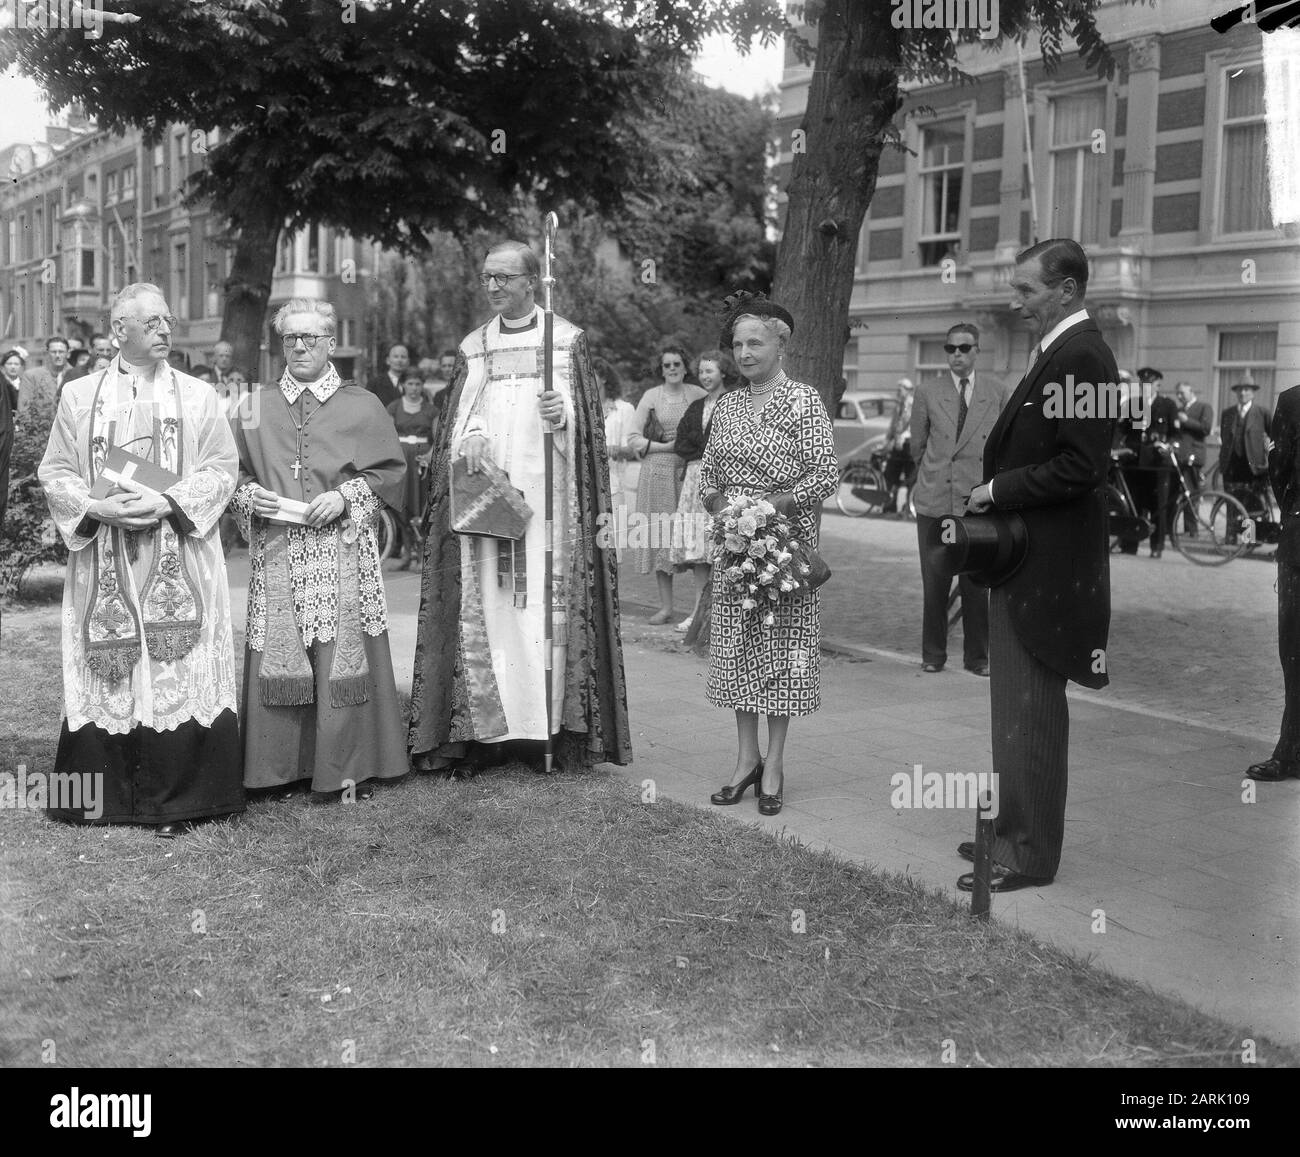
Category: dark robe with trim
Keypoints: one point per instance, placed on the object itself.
(593, 724)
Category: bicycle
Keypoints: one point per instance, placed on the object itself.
(1218, 520)
(863, 490)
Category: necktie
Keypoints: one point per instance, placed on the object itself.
(963, 409)
(1033, 357)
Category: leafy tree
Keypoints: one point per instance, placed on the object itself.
(385, 118)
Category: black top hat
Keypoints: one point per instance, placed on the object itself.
(1147, 374)
(990, 548)
(744, 302)
(1245, 386)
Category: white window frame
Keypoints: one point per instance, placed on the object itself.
(924, 174)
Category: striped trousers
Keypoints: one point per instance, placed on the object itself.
(1031, 738)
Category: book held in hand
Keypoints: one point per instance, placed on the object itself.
(120, 464)
(485, 503)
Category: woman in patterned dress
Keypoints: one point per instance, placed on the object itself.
(772, 438)
(660, 485)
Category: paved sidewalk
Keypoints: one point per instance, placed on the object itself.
(1197, 887)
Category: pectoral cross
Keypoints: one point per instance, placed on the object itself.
(297, 467)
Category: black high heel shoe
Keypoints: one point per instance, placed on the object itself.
(732, 793)
(770, 805)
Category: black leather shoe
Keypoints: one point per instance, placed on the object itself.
(1273, 769)
(931, 668)
(980, 669)
(770, 805)
(1004, 880)
(732, 793)
(966, 850)
(171, 831)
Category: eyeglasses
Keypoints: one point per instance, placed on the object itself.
(671, 366)
(953, 349)
(498, 280)
(308, 340)
(151, 324)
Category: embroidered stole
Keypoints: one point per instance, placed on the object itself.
(170, 607)
(286, 675)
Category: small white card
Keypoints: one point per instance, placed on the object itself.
(291, 511)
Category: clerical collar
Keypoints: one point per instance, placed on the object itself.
(518, 324)
(322, 389)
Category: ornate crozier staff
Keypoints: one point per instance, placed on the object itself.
(548, 443)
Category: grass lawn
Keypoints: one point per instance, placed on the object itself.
(513, 920)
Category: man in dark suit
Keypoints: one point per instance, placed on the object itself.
(388, 386)
(1192, 425)
(1150, 422)
(1243, 456)
(1049, 621)
(1284, 472)
(951, 420)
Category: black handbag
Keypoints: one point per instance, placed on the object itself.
(818, 571)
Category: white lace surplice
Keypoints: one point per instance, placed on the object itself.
(157, 695)
(314, 568)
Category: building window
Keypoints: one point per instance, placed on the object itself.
(347, 331)
(110, 189)
(179, 150)
(1243, 200)
(159, 175)
(1244, 356)
(931, 361)
(38, 230)
(329, 243)
(313, 248)
(179, 295)
(1078, 176)
(11, 251)
(284, 252)
(92, 188)
(128, 183)
(24, 247)
(87, 269)
(943, 151)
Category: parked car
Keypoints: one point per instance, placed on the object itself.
(861, 423)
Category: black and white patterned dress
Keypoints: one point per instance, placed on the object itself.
(773, 670)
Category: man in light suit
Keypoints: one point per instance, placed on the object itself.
(1048, 622)
(1243, 455)
(46, 382)
(951, 420)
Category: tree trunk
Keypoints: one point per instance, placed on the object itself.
(831, 184)
(248, 289)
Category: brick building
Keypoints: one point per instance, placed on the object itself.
(1162, 173)
(87, 212)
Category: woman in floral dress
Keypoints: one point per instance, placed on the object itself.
(771, 438)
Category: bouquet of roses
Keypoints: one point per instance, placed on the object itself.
(759, 555)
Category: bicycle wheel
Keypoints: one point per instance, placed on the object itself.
(1222, 528)
(385, 533)
(861, 490)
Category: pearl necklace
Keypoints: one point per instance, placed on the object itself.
(762, 389)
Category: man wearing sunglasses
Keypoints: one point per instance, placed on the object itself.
(951, 419)
(479, 665)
